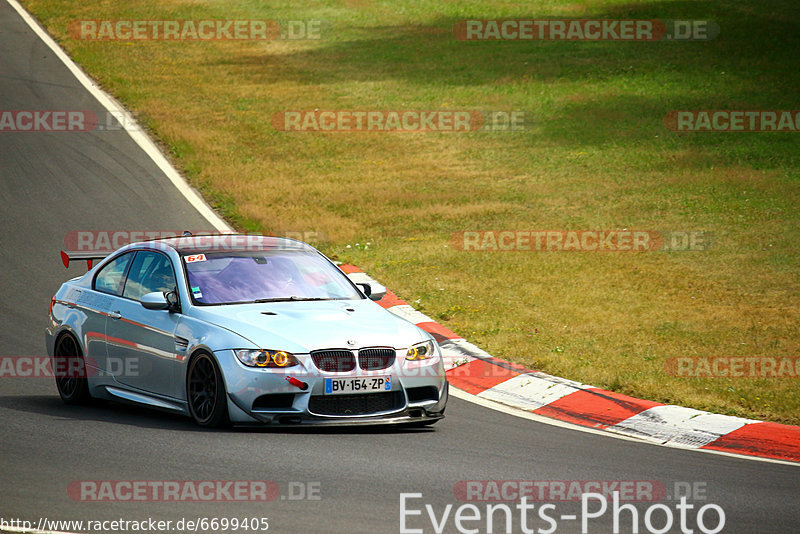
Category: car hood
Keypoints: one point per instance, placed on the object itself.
(301, 327)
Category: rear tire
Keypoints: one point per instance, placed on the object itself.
(205, 392)
(69, 369)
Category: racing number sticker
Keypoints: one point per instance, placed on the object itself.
(195, 257)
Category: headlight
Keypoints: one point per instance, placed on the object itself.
(266, 358)
(421, 351)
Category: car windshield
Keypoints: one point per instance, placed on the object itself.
(265, 276)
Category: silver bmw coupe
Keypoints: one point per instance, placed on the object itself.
(240, 329)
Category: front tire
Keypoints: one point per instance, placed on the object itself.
(205, 392)
(69, 369)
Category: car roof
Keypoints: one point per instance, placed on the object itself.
(230, 243)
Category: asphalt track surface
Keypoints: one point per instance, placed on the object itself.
(55, 182)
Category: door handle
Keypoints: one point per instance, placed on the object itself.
(115, 315)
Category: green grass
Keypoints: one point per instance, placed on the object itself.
(598, 156)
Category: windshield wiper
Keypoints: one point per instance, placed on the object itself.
(289, 299)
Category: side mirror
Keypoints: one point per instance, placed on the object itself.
(377, 293)
(155, 301)
(174, 301)
(370, 287)
(365, 288)
(368, 291)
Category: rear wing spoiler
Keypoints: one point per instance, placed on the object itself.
(89, 257)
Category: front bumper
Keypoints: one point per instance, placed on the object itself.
(418, 394)
(409, 415)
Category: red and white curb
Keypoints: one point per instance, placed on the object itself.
(476, 372)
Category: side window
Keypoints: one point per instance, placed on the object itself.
(150, 271)
(109, 279)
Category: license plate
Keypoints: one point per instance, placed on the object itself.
(338, 386)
